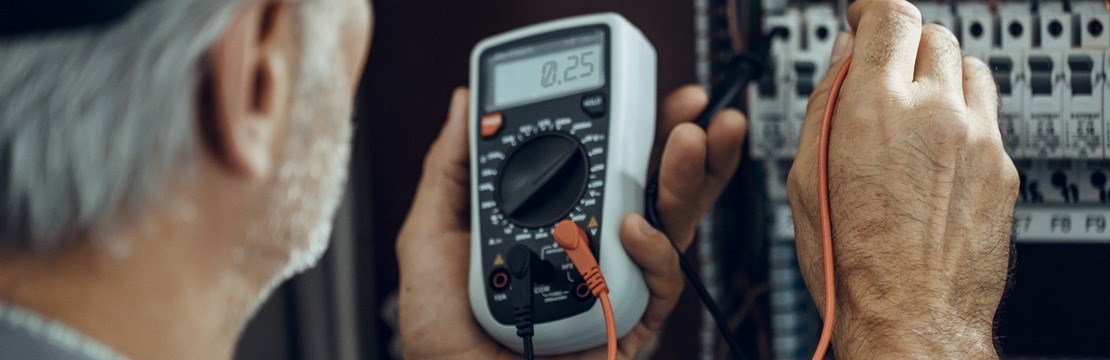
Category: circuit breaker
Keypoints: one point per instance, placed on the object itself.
(1050, 65)
(1050, 60)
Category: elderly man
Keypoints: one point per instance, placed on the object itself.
(164, 170)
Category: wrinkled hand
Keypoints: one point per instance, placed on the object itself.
(921, 192)
(433, 247)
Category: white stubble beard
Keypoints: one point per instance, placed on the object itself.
(313, 169)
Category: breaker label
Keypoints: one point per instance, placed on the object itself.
(1084, 134)
(1062, 225)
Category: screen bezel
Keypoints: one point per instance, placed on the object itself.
(485, 68)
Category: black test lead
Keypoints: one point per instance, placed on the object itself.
(747, 66)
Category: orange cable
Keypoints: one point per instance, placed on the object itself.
(577, 245)
(610, 326)
(826, 216)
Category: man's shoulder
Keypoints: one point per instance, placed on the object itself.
(27, 335)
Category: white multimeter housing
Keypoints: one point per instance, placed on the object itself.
(570, 104)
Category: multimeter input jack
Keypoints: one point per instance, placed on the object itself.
(499, 279)
(582, 291)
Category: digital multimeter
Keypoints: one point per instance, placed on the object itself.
(562, 119)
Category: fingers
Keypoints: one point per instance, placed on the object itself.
(726, 137)
(444, 183)
(981, 95)
(695, 168)
(718, 153)
(682, 178)
(680, 106)
(652, 251)
(888, 32)
(939, 61)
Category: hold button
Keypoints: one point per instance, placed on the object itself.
(594, 105)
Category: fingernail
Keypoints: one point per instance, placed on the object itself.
(646, 229)
(842, 47)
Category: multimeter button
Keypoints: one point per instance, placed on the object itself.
(491, 123)
(594, 105)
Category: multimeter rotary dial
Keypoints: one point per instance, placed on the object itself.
(542, 179)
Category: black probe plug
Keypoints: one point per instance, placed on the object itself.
(526, 269)
(747, 66)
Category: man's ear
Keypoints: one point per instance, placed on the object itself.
(247, 83)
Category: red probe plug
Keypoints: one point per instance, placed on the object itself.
(577, 245)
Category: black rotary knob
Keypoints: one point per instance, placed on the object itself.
(542, 180)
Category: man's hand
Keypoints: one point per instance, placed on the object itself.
(921, 190)
(434, 245)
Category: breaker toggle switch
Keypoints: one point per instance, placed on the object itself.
(1001, 68)
(1081, 80)
(1040, 77)
(806, 72)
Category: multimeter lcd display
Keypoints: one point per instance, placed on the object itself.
(546, 70)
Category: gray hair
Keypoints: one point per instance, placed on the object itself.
(94, 121)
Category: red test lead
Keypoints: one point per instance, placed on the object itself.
(577, 245)
(826, 213)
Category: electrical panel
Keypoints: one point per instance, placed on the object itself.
(1050, 60)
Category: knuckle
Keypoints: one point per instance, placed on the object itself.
(940, 35)
(973, 65)
(430, 156)
(892, 9)
(436, 168)
(880, 98)
(905, 10)
(978, 72)
(1009, 177)
(793, 178)
(942, 106)
(888, 24)
(797, 184)
(795, 199)
(432, 167)
(939, 43)
(981, 78)
(948, 128)
(817, 98)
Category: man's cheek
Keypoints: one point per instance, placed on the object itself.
(357, 30)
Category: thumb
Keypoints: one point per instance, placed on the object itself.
(652, 251)
(441, 195)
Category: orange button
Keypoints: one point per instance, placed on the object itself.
(491, 123)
